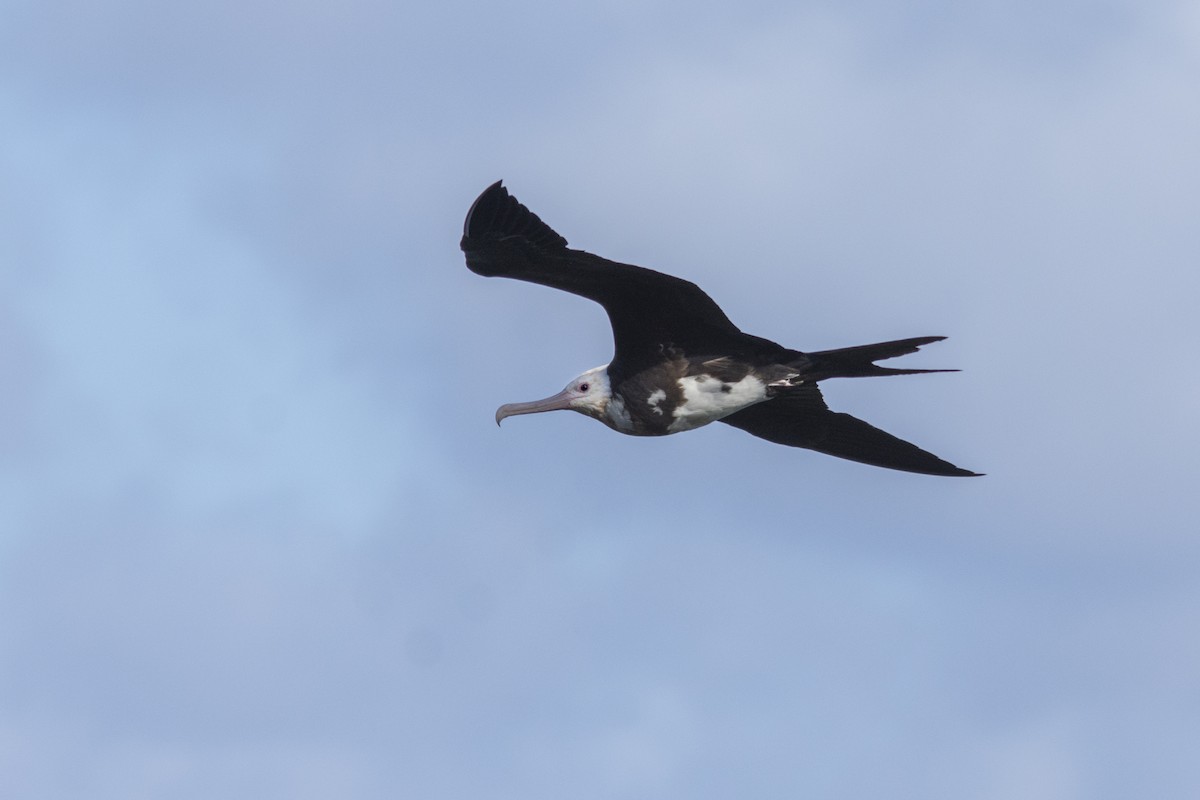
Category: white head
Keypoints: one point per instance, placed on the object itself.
(588, 394)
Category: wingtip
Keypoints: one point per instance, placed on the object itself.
(496, 213)
(489, 197)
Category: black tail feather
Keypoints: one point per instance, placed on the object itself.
(858, 362)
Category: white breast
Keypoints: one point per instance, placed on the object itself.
(616, 416)
(706, 399)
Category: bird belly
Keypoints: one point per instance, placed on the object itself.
(707, 399)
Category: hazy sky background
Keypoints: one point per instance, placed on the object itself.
(260, 537)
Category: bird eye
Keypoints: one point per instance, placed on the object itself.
(583, 387)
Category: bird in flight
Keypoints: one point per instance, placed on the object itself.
(679, 363)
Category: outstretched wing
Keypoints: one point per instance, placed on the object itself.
(800, 418)
(647, 309)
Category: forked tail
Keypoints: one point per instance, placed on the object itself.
(859, 362)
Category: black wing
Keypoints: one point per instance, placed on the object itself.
(800, 418)
(647, 309)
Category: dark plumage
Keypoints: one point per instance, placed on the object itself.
(679, 362)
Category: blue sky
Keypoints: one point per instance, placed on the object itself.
(260, 537)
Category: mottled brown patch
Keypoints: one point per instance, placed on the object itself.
(652, 419)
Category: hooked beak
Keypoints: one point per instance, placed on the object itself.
(558, 402)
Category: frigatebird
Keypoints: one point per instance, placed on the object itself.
(679, 363)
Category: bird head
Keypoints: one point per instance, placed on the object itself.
(588, 394)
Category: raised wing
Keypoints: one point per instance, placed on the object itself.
(647, 309)
(800, 418)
